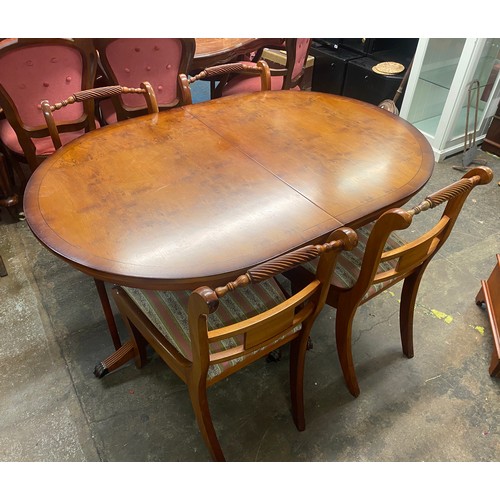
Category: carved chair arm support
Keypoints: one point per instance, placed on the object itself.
(223, 69)
(97, 93)
(433, 200)
(279, 265)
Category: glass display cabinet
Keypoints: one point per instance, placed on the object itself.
(453, 84)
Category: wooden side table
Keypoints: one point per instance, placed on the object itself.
(489, 294)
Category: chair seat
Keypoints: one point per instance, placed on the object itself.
(349, 263)
(44, 145)
(242, 83)
(168, 311)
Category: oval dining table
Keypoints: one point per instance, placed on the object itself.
(199, 194)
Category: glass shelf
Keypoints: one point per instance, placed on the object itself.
(439, 67)
(441, 77)
(438, 100)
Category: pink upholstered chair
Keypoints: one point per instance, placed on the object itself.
(297, 50)
(130, 61)
(32, 70)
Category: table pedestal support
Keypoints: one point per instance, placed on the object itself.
(125, 353)
(108, 313)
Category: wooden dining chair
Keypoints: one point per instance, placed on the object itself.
(113, 91)
(34, 69)
(57, 130)
(130, 61)
(289, 77)
(382, 259)
(261, 69)
(208, 334)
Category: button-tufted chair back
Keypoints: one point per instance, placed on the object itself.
(130, 61)
(32, 70)
(297, 50)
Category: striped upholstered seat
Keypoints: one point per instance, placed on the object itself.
(168, 311)
(349, 263)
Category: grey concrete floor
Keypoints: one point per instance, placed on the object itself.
(440, 406)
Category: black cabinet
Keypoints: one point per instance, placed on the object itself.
(362, 83)
(343, 66)
(330, 67)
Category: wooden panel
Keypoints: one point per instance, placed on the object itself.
(259, 333)
(490, 295)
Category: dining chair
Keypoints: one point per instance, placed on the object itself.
(383, 258)
(34, 69)
(57, 130)
(208, 334)
(95, 94)
(261, 69)
(289, 77)
(130, 61)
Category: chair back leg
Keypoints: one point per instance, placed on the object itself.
(298, 348)
(343, 333)
(407, 309)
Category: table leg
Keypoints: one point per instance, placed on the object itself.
(8, 198)
(3, 269)
(125, 353)
(108, 313)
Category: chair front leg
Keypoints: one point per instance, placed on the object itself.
(199, 401)
(407, 309)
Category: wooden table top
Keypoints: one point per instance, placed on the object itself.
(197, 195)
(212, 51)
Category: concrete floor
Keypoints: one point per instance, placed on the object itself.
(440, 406)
